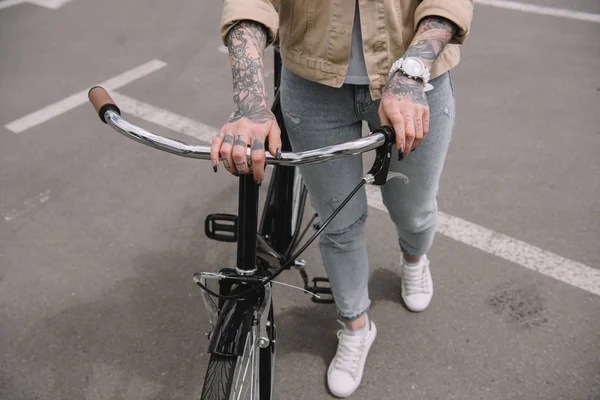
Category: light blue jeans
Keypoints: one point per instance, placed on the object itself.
(317, 115)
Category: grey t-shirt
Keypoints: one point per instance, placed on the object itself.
(357, 69)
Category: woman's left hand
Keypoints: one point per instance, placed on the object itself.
(404, 106)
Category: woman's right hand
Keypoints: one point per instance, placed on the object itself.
(252, 121)
(248, 126)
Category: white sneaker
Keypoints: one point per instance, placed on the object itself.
(417, 285)
(346, 369)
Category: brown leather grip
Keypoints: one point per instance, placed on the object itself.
(102, 101)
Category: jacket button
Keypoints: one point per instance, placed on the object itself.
(379, 46)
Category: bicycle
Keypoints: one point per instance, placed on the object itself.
(242, 333)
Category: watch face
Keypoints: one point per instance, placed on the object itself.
(413, 66)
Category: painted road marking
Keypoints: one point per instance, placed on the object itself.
(165, 118)
(71, 102)
(28, 205)
(10, 3)
(52, 4)
(510, 249)
(505, 247)
(541, 10)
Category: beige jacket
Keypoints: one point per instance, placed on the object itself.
(315, 35)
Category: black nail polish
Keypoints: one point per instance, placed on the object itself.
(214, 163)
(400, 154)
(258, 182)
(278, 153)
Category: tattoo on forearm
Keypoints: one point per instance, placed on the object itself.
(432, 36)
(257, 144)
(246, 42)
(402, 87)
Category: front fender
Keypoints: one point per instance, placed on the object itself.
(231, 329)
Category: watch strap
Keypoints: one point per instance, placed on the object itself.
(397, 66)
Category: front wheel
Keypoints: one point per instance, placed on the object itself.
(247, 377)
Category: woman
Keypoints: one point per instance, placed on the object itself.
(385, 62)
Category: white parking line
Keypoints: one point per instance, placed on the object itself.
(52, 4)
(10, 3)
(61, 107)
(541, 10)
(513, 250)
(165, 118)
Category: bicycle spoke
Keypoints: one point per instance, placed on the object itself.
(246, 387)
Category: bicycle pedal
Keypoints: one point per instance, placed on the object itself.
(324, 292)
(221, 227)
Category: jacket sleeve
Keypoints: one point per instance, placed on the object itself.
(261, 11)
(458, 11)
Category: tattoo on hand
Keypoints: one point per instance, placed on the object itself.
(246, 42)
(402, 87)
(239, 142)
(228, 139)
(257, 144)
(240, 166)
(226, 163)
(252, 107)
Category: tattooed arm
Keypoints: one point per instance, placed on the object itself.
(252, 120)
(404, 104)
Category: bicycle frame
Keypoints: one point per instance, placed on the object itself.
(264, 251)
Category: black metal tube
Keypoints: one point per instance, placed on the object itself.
(277, 66)
(331, 217)
(247, 223)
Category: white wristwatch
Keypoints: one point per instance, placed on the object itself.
(411, 67)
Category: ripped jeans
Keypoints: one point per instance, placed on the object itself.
(317, 115)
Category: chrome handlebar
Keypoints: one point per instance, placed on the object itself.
(141, 135)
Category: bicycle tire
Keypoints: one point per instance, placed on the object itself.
(222, 380)
(223, 374)
(219, 377)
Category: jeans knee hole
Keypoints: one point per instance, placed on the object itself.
(342, 238)
(334, 202)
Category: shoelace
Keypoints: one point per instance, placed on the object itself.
(348, 353)
(415, 280)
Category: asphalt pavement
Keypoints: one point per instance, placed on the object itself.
(100, 236)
